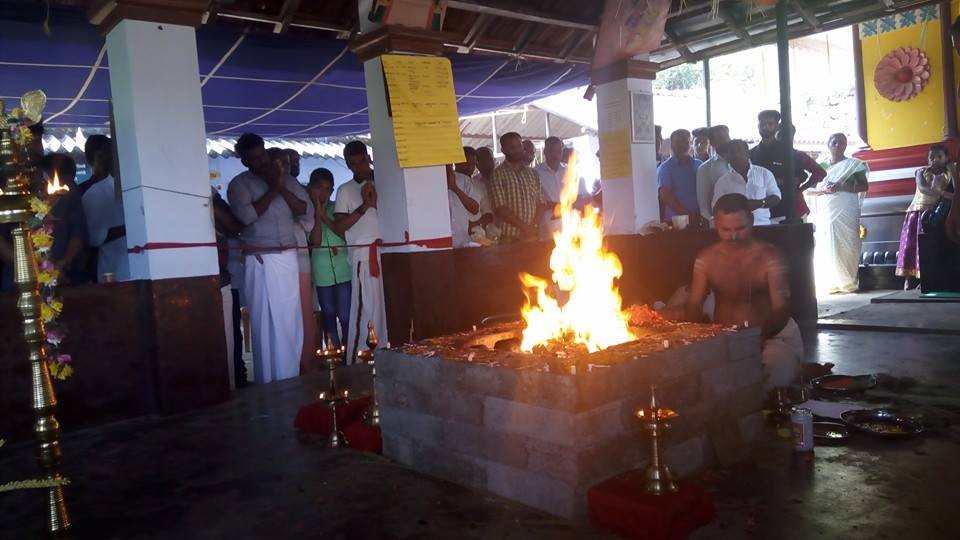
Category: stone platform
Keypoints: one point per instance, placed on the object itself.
(543, 433)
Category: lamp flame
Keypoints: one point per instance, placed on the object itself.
(584, 272)
(54, 186)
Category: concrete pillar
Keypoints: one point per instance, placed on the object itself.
(628, 159)
(162, 148)
(412, 203)
(159, 129)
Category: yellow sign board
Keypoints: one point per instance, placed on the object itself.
(615, 154)
(424, 109)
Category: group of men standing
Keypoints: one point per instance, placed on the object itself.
(277, 215)
(691, 184)
(273, 217)
(513, 201)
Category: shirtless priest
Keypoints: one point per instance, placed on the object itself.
(749, 280)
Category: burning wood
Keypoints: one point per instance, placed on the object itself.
(584, 273)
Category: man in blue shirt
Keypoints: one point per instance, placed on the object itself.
(677, 180)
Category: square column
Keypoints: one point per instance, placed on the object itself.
(628, 157)
(412, 203)
(161, 144)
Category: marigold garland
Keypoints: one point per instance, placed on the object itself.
(51, 306)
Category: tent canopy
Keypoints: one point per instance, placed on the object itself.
(529, 121)
(287, 72)
(288, 85)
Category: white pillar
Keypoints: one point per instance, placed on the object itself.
(411, 201)
(629, 194)
(161, 142)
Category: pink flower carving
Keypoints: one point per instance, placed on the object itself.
(902, 74)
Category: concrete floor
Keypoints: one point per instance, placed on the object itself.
(869, 488)
(240, 470)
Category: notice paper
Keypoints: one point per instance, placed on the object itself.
(424, 109)
(615, 154)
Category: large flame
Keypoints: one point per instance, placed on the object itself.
(584, 273)
(54, 185)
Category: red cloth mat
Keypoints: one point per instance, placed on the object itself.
(620, 506)
(316, 418)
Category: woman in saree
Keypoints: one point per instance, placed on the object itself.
(835, 204)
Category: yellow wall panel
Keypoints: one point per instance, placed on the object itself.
(915, 121)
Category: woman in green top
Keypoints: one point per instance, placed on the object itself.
(331, 267)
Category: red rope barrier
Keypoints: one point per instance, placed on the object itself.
(429, 243)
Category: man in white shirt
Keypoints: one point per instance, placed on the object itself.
(103, 211)
(462, 200)
(552, 172)
(752, 181)
(357, 221)
(712, 169)
(484, 217)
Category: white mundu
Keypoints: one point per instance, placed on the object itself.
(366, 296)
(271, 274)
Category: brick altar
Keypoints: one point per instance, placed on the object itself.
(545, 437)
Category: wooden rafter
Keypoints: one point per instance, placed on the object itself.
(479, 26)
(573, 44)
(806, 13)
(681, 47)
(287, 12)
(731, 21)
(529, 34)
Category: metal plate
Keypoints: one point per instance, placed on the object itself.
(828, 433)
(881, 423)
(843, 384)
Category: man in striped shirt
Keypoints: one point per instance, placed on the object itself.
(515, 192)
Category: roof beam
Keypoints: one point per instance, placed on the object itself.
(808, 16)
(572, 45)
(287, 11)
(889, 5)
(479, 26)
(682, 48)
(731, 21)
(839, 19)
(529, 34)
(521, 14)
(210, 17)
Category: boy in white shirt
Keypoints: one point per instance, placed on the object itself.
(357, 221)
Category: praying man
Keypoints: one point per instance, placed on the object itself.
(356, 219)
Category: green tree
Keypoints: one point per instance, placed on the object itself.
(682, 77)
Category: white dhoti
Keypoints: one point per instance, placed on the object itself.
(366, 304)
(271, 286)
(837, 234)
(781, 356)
(228, 331)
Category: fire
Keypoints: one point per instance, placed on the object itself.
(584, 274)
(54, 186)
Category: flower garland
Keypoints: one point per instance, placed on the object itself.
(41, 226)
(50, 305)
